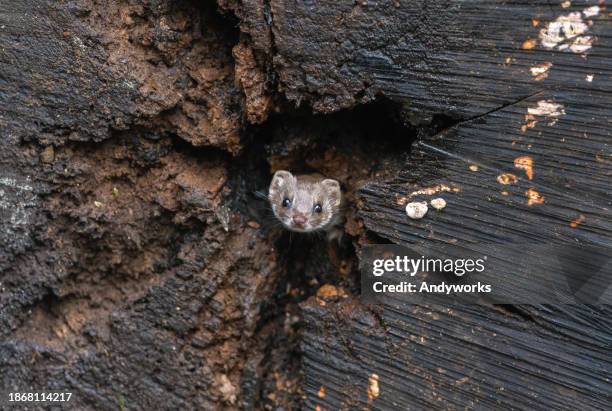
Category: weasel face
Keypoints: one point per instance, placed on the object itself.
(303, 204)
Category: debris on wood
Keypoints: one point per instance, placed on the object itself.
(438, 203)
(416, 210)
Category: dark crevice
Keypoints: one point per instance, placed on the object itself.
(447, 123)
(204, 153)
(353, 146)
(516, 311)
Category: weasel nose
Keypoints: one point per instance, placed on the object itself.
(299, 220)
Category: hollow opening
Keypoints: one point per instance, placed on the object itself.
(355, 146)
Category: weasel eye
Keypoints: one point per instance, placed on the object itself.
(286, 203)
(318, 208)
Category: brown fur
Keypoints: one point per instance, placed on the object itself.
(304, 193)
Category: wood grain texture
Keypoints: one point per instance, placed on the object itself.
(474, 65)
(464, 357)
(460, 58)
(571, 170)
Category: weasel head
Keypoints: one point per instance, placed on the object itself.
(304, 204)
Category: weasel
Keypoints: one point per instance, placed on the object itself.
(306, 203)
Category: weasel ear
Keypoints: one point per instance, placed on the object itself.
(281, 179)
(333, 190)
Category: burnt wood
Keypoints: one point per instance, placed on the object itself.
(460, 58)
(463, 357)
(480, 63)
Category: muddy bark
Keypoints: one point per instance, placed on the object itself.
(139, 268)
(127, 274)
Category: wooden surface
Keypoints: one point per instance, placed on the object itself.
(523, 241)
(478, 70)
(118, 261)
(464, 357)
(436, 57)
